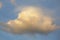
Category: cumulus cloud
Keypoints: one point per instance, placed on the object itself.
(31, 19)
(0, 4)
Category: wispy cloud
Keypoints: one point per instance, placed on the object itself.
(13, 2)
(1, 4)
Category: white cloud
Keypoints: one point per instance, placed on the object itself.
(31, 19)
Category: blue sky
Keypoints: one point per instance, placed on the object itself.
(7, 12)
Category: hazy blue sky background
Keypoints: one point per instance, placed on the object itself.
(7, 12)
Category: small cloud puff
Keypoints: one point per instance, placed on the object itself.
(13, 2)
